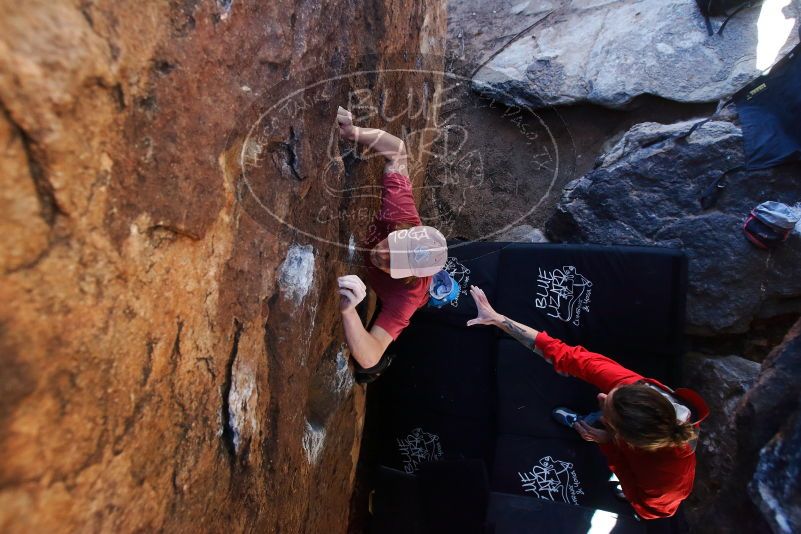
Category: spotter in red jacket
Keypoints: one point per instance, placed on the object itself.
(654, 482)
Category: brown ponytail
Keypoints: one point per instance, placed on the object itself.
(683, 433)
(645, 419)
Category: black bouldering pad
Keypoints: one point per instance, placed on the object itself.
(444, 496)
(437, 397)
(565, 471)
(408, 439)
(513, 514)
(454, 496)
(529, 389)
(627, 303)
(395, 503)
(442, 369)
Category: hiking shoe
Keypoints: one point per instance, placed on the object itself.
(565, 416)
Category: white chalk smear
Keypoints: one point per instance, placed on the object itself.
(252, 153)
(242, 400)
(296, 275)
(225, 7)
(343, 379)
(351, 248)
(313, 440)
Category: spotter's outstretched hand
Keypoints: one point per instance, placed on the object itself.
(486, 314)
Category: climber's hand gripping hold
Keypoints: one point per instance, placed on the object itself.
(352, 291)
(345, 122)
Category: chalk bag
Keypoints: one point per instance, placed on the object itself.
(443, 290)
(770, 223)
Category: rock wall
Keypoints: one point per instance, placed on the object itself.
(609, 52)
(174, 213)
(722, 382)
(646, 190)
(757, 466)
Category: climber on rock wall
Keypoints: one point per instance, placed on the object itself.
(646, 430)
(401, 255)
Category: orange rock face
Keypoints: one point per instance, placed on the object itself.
(174, 211)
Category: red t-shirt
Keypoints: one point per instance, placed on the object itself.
(655, 482)
(399, 298)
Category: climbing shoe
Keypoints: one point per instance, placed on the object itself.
(365, 376)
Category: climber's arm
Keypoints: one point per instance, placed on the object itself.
(382, 142)
(397, 163)
(366, 347)
(386, 144)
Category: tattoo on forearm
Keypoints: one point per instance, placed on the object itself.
(519, 334)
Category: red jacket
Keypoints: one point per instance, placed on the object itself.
(655, 482)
